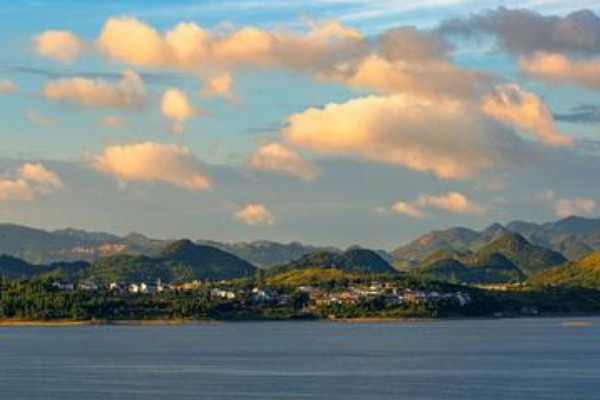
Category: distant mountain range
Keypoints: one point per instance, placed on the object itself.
(38, 246)
(573, 237)
(180, 261)
(508, 258)
(264, 253)
(43, 247)
(514, 252)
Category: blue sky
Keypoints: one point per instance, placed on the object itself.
(319, 125)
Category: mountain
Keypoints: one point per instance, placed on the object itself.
(574, 237)
(38, 246)
(16, 268)
(474, 269)
(355, 260)
(507, 258)
(180, 261)
(584, 272)
(454, 239)
(528, 257)
(264, 253)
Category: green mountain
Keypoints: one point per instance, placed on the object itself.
(574, 237)
(489, 268)
(508, 258)
(16, 268)
(529, 258)
(354, 260)
(582, 273)
(453, 239)
(528, 255)
(179, 261)
(38, 246)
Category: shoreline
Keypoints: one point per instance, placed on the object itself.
(366, 320)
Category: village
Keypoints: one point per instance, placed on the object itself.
(386, 293)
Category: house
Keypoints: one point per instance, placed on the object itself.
(69, 287)
(88, 287)
(223, 294)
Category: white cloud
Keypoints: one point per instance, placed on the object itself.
(151, 162)
(190, 46)
(60, 45)
(428, 78)
(516, 107)
(27, 182)
(557, 68)
(221, 85)
(576, 206)
(112, 122)
(254, 215)
(42, 177)
(449, 138)
(278, 158)
(38, 119)
(176, 107)
(7, 86)
(128, 93)
(407, 208)
(453, 202)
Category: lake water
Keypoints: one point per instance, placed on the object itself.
(524, 359)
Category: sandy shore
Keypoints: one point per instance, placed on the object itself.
(59, 323)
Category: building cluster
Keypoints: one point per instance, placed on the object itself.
(388, 295)
(384, 292)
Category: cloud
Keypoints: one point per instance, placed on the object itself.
(399, 60)
(221, 85)
(254, 215)
(453, 202)
(60, 45)
(523, 31)
(557, 68)
(450, 139)
(410, 44)
(432, 78)
(409, 209)
(128, 93)
(42, 177)
(190, 46)
(7, 86)
(577, 206)
(38, 119)
(278, 158)
(524, 110)
(112, 122)
(151, 162)
(28, 182)
(176, 107)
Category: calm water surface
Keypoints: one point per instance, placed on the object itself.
(526, 359)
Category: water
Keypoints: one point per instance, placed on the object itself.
(525, 359)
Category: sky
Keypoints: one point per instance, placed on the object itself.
(336, 122)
